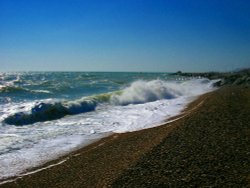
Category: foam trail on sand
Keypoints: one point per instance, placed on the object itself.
(52, 127)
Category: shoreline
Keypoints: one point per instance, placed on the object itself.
(193, 105)
(113, 159)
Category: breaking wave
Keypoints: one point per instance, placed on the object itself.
(147, 91)
(50, 111)
(138, 92)
(46, 111)
(142, 91)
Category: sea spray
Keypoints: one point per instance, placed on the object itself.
(138, 92)
(82, 107)
(142, 91)
(47, 111)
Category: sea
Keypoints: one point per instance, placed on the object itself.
(45, 115)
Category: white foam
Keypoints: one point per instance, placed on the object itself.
(14, 163)
(31, 145)
(142, 91)
(147, 91)
(41, 91)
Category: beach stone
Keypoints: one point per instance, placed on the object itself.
(208, 149)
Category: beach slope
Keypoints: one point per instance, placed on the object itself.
(208, 146)
(209, 149)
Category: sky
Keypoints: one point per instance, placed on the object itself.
(124, 35)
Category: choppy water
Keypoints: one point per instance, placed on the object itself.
(46, 114)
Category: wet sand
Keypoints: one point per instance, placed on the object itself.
(207, 145)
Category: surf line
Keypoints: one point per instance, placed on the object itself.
(53, 165)
(114, 137)
(33, 172)
(185, 114)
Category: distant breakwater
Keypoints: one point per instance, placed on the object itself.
(241, 77)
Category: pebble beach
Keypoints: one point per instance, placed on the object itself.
(206, 146)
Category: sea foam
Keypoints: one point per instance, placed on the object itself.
(137, 93)
(141, 104)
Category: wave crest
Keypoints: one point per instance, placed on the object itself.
(147, 91)
(143, 91)
(50, 111)
(138, 92)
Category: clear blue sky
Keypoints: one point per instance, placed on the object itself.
(124, 35)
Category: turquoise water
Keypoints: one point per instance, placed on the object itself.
(44, 115)
(65, 85)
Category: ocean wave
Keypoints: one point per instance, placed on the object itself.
(147, 91)
(11, 88)
(4, 100)
(16, 89)
(50, 111)
(138, 92)
(46, 111)
(143, 91)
